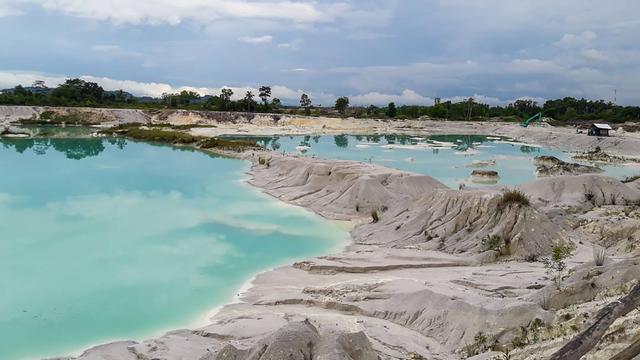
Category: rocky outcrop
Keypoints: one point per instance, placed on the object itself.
(634, 184)
(485, 176)
(461, 222)
(408, 210)
(7, 130)
(87, 115)
(338, 189)
(615, 228)
(481, 163)
(599, 156)
(302, 341)
(552, 166)
(581, 192)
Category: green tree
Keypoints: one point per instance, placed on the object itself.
(305, 102)
(276, 103)
(342, 103)
(186, 97)
(264, 93)
(225, 98)
(555, 264)
(391, 110)
(248, 100)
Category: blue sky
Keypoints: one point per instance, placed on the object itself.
(373, 51)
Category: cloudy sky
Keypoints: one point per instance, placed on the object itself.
(374, 51)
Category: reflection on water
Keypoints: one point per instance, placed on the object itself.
(75, 149)
(448, 158)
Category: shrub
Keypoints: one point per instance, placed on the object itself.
(493, 242)
(261, 160)
(235, 145)
(481, 344)
(589, 196)
(599, 255)
(375, 216)
(555, 264)
(513, 197)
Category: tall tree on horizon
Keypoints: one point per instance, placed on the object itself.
(305, 102)
(342, 103)
(248, 99)
(264, 93)
(225, 96)
(392, 111)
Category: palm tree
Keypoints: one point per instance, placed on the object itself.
(248, 99)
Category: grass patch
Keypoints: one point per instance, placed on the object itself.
(513, 197)
(136, 132)
(217, 143)
(164, 136)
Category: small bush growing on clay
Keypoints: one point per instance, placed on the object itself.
(262, 161)
(590, 196)
(599, 255)
(375, 216)
(480, 345)
(493, 242)
(555, 264)
(415, 356)
(506, 355)
(513, 197)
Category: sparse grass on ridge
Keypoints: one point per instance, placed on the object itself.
(513, 197)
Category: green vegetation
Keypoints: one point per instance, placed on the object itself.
(375, 216)
(392, 111)
(305, 103)
(493, 242)
(179, 138)
(513, 197)
(77, 92)
(481, 344)
(555, 264)
(342, 103)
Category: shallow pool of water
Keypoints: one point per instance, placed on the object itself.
(108, 239)
(448, 158)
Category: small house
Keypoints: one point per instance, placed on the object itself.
(599, 130)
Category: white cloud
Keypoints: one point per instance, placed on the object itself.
(576, 40)
(174, 12)
(407, 97)
(266, 39)
(534, 66)
(298, 70)
(292, 45)
(594, 55)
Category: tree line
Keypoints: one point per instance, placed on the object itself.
(77, 92)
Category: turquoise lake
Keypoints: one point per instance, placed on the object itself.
(103, 240)
(447, 158)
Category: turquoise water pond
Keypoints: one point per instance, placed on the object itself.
(447, 158)
(109, 239)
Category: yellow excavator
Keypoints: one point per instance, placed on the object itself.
(537, 117)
